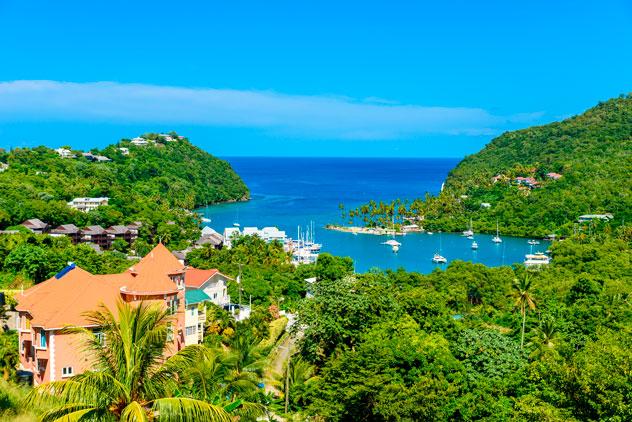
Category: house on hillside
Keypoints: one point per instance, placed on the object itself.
(554, 176)
(139, 142)
(51, 354)
(88, 204)
(65, 153)
(212, 282)
(529, 182)
(122, 232)
(36, 225)
(586, 218)
(210, 237)
(70, 230)
(96, 235)
(3, 167)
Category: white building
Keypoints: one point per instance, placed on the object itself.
(202, 286)
(229, 234)
(139, 142)
(124, 151)
(88, 204)
(65, 153)
(3, 167)
(194, 316)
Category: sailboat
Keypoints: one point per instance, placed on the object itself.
(497, 239)
(438, 258)
(533, 242)
(469, 232)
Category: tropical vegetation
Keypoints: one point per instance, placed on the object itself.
(157, 184)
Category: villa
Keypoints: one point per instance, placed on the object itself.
(70, 230)
(65, 153)
(554, 176)
(3, 167)
(88, 204)
(139, 142)
(50, 354)
(589, 217)
(36, 225)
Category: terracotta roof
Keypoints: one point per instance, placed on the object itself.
(56, 303)
(62, 300)
(151, 274)
(195, 278)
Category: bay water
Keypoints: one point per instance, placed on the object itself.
(292, 192)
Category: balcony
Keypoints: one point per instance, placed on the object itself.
(42, 353)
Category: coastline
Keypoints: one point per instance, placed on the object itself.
(377, 231)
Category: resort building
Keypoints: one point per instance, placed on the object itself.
(211, 282)
(36, 225)
(230, 233)
(124, 151)
(139, 142)
(51, 354)
(123, 233)
(210, 237)
(3, 167)
(70, 230)
(96, 235)
(586, 218)
(99, 158)
(65, 153)
(88, 204)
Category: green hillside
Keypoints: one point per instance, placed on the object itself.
(156, 184)
(578, 166)
(592, 152)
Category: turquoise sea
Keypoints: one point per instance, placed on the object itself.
(292, 192)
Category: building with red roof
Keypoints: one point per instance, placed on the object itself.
(45, 309)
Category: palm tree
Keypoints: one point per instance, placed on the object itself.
(545, 337)
(131, 379)
(522, 293)
(297, 373)
(8, 354)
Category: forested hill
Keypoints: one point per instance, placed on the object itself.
(590, 156)
(149, 183)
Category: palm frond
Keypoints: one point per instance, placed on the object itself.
(134, 412)
(185, 409)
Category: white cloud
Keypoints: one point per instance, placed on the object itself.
(296, 115)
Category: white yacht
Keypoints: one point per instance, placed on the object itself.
(533, 242)
(469, 232)
(439, 259)
(474, 245)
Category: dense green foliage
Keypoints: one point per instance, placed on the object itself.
(592, 152)
(155, 184)
(447, 345)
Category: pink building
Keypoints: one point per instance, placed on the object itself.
(46, 308)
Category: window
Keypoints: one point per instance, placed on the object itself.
(28, 323)
(100, 336)
(191, 330)
(173, 305)
(43, 339)
(67, 371)
(170, 333)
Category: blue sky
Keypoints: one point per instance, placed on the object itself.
(305, 77)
